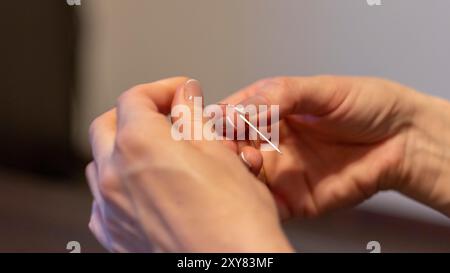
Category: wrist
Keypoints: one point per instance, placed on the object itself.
(427, 153)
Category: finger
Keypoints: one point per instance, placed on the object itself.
(190, 96)
(102, 135)
(142, 110)
(252, 158)
(315, 96)
(187, 110)
(97, 227)
(96, 224)
(283, 210)
(92, 177)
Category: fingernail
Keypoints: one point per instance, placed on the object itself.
(192, 89)
(245, 160)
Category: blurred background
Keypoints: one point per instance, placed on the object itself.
(62, 65)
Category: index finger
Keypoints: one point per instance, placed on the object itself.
(317, 95)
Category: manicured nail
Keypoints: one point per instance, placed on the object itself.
(192, 89)
(245, 160)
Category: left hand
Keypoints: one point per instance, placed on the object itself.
(346, 138)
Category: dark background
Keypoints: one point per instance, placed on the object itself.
(44, 202)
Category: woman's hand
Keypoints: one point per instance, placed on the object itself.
(345, 138)
(156, 194)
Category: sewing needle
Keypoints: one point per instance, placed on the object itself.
(241, 115)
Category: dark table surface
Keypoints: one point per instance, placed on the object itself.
(41, 214)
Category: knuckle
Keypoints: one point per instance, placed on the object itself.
(333, 83)
(127, 141)
(282, 85)
(91, 226)
(124, 97)
(132, 149)
(90, 172)
(131, 93)
(271, 88)
(280, 81)
(108, 183)
(94, 126)
(99, 233)
(277, 87)
(279, 84)
(328, 81)
(89, 168)
(94, 220)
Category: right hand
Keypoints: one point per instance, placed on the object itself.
(345, 138)
(152, 193)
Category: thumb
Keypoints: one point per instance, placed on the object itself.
(186, 108)
(190, 96)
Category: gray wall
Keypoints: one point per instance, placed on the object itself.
(228, 44)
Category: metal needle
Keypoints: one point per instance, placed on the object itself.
(241, 115)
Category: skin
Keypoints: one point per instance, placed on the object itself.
(343, 139)
(346, 138)
(153, 193)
